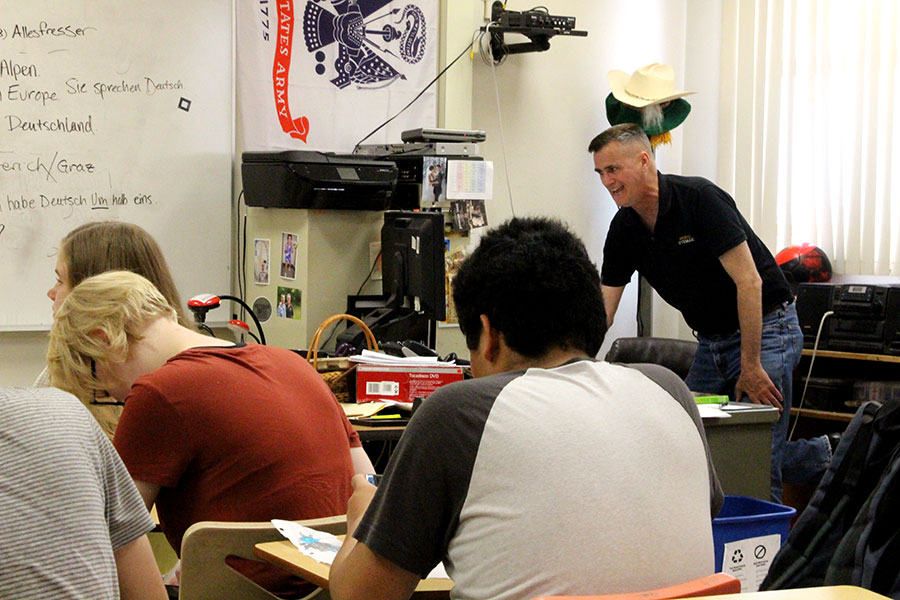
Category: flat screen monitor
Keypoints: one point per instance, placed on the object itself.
(412, 262)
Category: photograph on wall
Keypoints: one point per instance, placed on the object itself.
(289, 303)
(289, 255)
(434, 180)
(452, 261)
(467, 214)
(261, 258)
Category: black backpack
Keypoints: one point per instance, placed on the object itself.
(850, 532)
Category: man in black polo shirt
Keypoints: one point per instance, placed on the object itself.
(687, 238)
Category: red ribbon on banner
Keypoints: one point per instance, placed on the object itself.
(296, 128)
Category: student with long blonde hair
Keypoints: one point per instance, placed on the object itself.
(95, 248)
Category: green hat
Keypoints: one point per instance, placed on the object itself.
(674, 115)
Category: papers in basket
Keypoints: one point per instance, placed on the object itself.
(368, 357)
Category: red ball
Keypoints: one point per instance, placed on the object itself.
(804, 263)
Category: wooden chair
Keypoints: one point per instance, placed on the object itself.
(711, 585)
(206, 576)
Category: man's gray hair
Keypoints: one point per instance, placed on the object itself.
(626, 133)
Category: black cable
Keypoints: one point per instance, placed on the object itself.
(206, 328)
(253, 335)
(243, 273)
(372, 270)
(358, 292)
(250, 312)
(419, 95)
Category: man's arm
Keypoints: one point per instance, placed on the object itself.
(361, 461)
(139, 576)
(611, 298)
(357, 572)
(753, 380)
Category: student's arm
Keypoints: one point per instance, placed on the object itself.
(357, 572)
(139, 576)
(148, 491)
(753, 380)
(611, 298)
(361, 461)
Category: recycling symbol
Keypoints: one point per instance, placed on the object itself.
(737, 557)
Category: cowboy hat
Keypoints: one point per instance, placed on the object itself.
(652, 84)
(674, 114)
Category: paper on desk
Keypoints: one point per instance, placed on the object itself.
(320, 546)
(712, 411)
(368, 357)
(366, 409)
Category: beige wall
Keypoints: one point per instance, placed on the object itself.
(552, 104)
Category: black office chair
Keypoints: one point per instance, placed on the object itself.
(677, 355)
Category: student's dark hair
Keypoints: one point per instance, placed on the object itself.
(625, 133)
(534, 280)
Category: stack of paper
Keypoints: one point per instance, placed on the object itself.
(368, 357)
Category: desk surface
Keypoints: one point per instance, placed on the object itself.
(836, 592)
(283, 554)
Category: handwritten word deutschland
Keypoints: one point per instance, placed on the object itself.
(103, 88)
(64, 125)
(45, 30)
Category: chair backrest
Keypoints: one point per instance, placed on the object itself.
(204, 573)
(711, 585)
(677, 355)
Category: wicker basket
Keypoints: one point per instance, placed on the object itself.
(338, 380)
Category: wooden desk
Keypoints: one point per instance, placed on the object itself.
(283, 554)
(379, 434)
(836, 592)
(741, 449)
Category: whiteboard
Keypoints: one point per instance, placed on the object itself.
(113, 110)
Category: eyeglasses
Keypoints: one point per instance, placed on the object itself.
(106, 400)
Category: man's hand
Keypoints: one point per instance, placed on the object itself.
(363, 491)
(758, 386)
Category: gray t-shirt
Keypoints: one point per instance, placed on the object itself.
(586, 478)
(66, 500)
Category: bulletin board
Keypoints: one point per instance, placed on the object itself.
(119, 111)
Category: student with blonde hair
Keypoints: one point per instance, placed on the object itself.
(95, 248)
(211, 430)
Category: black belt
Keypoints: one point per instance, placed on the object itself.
(778, 306)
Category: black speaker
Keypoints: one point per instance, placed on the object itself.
(813, 301)
(892, 322)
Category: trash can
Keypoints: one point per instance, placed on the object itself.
(743, 518)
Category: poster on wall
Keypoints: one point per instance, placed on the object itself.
(322, 74)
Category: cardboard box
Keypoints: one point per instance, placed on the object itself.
(403, 384)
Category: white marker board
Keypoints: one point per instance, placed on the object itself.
(113, 110)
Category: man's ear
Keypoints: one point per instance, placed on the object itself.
(492, 339)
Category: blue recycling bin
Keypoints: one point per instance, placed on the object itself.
(742, 517)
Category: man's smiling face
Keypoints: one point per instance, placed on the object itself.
(622, 169)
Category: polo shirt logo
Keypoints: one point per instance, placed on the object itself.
(685, 239)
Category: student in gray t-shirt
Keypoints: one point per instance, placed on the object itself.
(550, 473)
(73, 523)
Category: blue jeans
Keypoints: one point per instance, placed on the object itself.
(717, 366)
